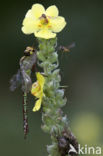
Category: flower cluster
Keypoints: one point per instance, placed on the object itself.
(43, 23)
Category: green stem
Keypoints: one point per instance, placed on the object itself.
(54, 122)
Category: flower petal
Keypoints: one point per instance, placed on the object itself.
(38, 10)
(45, 34)
(40, 79)
(29, 14)
(37, 105)
(52, 11)
(58, 24)
(30, 25)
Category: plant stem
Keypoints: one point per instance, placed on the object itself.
(54, 121)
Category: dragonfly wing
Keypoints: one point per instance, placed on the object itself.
(16, 80)
(26, 83)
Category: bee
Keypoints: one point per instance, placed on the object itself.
(67, 48)
(44, 17)
(23, 78)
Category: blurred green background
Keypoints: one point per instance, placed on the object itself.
(81, 70)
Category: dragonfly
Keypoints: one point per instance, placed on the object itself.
(23, 78)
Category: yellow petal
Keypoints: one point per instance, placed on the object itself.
(30, 25)
(46, 34)
(37, 105)
(57, 24)
(36, 90)
(29, 14)
(41, 79)
(52, 11)
(38, 10)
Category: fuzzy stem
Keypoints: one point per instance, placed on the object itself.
(54, 122)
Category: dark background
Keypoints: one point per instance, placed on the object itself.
(81, 70)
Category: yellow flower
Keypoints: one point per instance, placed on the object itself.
(43, 23)
(37, 91)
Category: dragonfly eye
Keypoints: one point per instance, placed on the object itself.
(26, 53)
(29, 51)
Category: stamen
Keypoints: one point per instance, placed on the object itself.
(39, 25)
(49, 26)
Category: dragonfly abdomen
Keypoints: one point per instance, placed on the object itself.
(25, 115)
